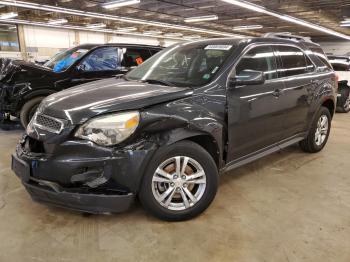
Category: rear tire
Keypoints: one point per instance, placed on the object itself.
(319, 132)
(28, 110)
(175, 196)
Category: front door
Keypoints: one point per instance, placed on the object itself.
(255, 112)
(102, 63)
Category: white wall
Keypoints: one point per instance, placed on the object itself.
(48, 37)
(134, 40)
(42, 42)
(91, 37)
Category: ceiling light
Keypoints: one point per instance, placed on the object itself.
(288, 18)
(126, 29)
(77, 12)
(81, 28)
(345, 23)
(152, 32)
(119, 3)
(58, 21)
(190, 37)
(201, 18)
(206, 6)
(99, 25)
(173, 34)
(247, 27)
(8, 15)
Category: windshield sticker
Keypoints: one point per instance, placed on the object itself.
(139, 60)
(82, 50)
(206, 76)
(218, 47)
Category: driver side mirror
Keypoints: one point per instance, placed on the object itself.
(247, 77)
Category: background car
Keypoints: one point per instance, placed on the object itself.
(23, 85)
(341, 64)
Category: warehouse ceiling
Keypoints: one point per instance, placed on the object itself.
(166, 17)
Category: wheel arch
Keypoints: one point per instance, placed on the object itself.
(209, 144)
(330, 105)
(36, 93)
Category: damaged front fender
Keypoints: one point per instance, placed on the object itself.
(176, 121)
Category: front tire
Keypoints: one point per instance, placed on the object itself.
(180, 182)
(319, 132)
(28, 110)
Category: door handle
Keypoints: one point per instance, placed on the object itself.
(277, 93)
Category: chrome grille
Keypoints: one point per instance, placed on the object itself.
(48, 123)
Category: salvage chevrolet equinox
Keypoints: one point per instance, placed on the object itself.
(165, 130)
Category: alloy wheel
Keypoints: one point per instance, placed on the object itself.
(321, 130)
(179, 183)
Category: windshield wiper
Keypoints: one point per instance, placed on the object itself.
(156, 81)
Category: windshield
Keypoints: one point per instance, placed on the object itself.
(62, 61)
(189, 64)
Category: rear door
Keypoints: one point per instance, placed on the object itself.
(134, 57)
(255, 112)
(298, 73)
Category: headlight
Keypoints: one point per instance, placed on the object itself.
(111, 129)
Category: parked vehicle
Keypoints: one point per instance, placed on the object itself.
(24, 85)
(168, 128)
(341, 65)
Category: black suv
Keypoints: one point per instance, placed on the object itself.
(165, 130)
(24, 85)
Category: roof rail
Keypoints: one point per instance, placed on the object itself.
(288, 36)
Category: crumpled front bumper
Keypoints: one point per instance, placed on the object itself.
(41, 192)
(80, 175)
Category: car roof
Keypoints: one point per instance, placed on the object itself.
(90, 46)
(249, 40)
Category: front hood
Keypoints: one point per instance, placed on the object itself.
(33, 67)
(9, 67)
(80, 103)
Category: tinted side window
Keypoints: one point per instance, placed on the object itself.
(154, 51)
(293, 61)
(135, 56)
(259, 59)
(103, 59)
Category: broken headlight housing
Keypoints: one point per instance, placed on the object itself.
(110, 129)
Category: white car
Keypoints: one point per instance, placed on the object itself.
(341, 65)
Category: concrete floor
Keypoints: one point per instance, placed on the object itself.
(289, 206)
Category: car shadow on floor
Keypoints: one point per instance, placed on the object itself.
(11, 125)
(276, 162)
